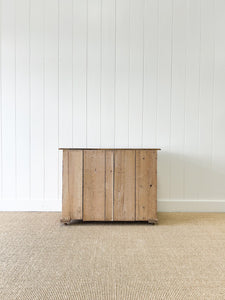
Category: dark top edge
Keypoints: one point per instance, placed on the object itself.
(109, 149)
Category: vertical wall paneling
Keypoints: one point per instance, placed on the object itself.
(94, 70)
(206, 96)
(65, 73)
(136, 73)
(178, 98)
(150, 53)
(51, 104)
(79, 72)
(37, 101)
(192, 99)
(165, 46)
(218, 126)
(8, 103)
(0, 100)
(122, 73)
(22, 78)
(107, 72)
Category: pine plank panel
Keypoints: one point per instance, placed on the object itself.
(146, 185)
(75, 183)
(65, 188)
(94, 185)
(124, 186)
(109, 185)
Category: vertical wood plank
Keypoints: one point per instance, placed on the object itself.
(0, 102)
(136, 73)
(206, 87)
(66, 210)
(51, 105)
(192, 100)
(108, 185)
(22, 104)
(124, 185)
(108, 73)
(8, 104)
(93, 73)
(37, 101)
(178, 98)
(122, 73)
(60, 172)
(65, 73)
(75, 183)
(151, 14)
(146, 185)
(165, 44)
(94, 185)
(218, 147)
(79, 72)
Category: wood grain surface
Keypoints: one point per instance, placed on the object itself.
(65, 188)
(146, 189)
(75, 184)
(109, 185)
(94, 185)
(124, 185)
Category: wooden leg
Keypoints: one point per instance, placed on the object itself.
(153, 222)
(66, 221)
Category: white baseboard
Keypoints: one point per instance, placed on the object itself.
(163, 206)
(191, 206)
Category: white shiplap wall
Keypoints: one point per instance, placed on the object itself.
(113, 73)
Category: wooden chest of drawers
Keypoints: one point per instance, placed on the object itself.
(109, 185)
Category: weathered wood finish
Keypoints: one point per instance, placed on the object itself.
(109, 185)
(94, 185)
(66, 217)
(124, 186)
(72, 185)
(75, 183)
(146, 185)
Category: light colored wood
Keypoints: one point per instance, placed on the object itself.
(109, 148)
(146, 185)
(94, 185)
(75, 184)
(65, 188)
(124, 186)
(108, 185)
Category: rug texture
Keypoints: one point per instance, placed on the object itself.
(181, 258)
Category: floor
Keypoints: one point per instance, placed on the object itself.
(181, 258)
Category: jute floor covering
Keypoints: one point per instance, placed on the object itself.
(181, 258)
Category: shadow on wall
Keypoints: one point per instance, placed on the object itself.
(190, 177)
